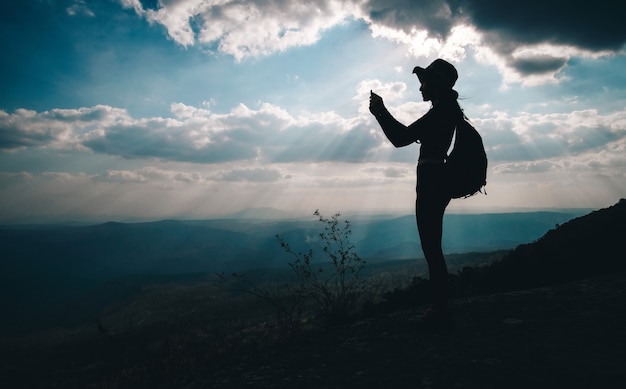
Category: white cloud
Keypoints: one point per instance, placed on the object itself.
(79, 8)
(176, 16)
(250, 175)
(390, 91)
(418, 42)
(389, 171)
(247, 28)
(270, 134)
(134, 4)
(183, 111)
(57, 128)
(123, 176)
(152, 175)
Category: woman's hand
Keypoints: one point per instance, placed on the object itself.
(376, 104)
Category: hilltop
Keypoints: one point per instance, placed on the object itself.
(565, 336)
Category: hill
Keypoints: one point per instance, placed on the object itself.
(583, 247)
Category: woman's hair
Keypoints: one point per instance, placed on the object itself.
(450, 95)
(447, 94)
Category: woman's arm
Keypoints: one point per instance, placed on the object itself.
(399, 134)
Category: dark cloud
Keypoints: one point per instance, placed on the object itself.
(12, 138)
(435, 15)
(93, 114)
(592, 25)
(539, 64)
(157, 141)
(14, 134)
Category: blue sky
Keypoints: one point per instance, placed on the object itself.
(128, 109)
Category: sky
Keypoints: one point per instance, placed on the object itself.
(144, 110)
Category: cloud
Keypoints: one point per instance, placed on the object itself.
(531, 49)
(123, 176)
(526, 167)
(592, 26)
(57, 128)
(271, 135)
(389, 172)
(588, 26)
(539, 64)
(79, 8)
(134, 4)
(170, 139)
(246, 28)
(16, 176)
(529, 42)
(435, 16)
(150, 174)
(250, 175)
(531, 143)
(267, 134)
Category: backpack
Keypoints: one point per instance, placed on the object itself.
(466, 166)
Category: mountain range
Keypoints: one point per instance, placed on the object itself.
(47, 267)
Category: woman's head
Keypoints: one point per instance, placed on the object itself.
(437, 79)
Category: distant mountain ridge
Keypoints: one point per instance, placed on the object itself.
(173, 246)
(262, 213)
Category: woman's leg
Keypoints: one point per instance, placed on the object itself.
(429, 214)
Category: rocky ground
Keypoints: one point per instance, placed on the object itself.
(566, 336)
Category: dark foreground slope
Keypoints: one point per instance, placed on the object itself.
(567, 336)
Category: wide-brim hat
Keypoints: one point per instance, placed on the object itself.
(440, 72)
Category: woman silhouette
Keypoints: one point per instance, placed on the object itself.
(434, 132)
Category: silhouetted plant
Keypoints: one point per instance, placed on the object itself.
(334, 287)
